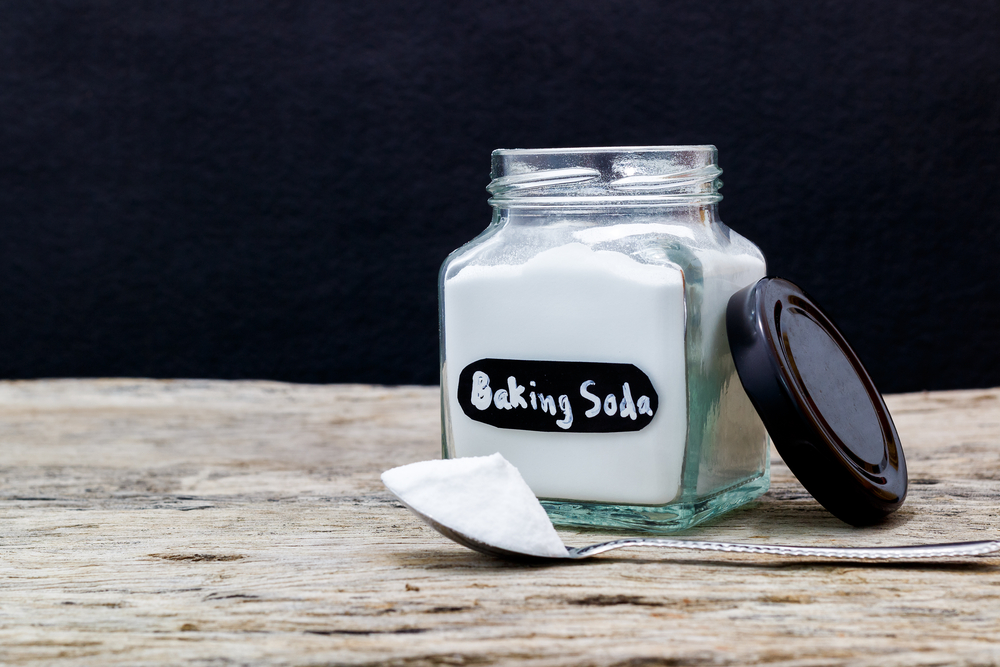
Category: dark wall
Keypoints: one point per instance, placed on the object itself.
(266, 189)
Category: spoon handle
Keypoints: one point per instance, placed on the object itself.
(913, 551)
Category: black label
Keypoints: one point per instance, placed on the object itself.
(558, 396)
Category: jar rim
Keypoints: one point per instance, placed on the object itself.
(602, 176)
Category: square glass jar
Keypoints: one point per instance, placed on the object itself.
(583, 337)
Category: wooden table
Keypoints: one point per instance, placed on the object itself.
(218, 523)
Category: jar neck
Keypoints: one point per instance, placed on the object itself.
(691, 214)
(664, 178)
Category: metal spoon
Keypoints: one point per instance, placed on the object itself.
(912, 551)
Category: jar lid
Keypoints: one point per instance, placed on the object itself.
(817, 402)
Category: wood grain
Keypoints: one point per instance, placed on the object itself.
(217, 523)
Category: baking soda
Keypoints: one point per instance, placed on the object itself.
(576, 304)
(482, 497)
(572, 303)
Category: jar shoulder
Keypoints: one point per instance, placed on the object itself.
(700, 248)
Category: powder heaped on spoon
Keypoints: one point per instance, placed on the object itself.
(483, 497)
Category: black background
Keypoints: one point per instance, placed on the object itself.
(204, 188)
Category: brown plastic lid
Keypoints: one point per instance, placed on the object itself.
(817, 401)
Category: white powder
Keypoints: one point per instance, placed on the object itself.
(575, 304)
(482, 497)
(572, 303)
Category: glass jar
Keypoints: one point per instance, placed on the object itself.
(583, 337)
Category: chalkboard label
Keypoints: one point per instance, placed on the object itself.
(557, 396)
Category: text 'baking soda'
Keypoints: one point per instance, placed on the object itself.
(585, 397)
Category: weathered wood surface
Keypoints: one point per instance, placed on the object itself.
(215, 523)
